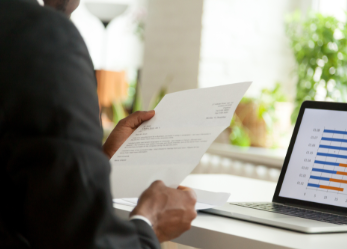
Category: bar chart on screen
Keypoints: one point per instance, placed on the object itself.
(329, 171)
(317, 169)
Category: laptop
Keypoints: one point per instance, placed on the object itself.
(311, 193)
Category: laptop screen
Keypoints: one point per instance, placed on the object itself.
(317, 169)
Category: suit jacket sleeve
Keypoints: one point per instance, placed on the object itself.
(54, 175)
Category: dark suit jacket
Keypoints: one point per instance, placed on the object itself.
(54, 177)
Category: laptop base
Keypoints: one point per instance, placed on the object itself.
(275, 219)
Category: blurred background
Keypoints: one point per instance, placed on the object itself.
(292, 50)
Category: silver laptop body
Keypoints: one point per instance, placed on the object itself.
(311, 193)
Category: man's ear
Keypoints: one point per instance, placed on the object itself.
(72, 6)
(66, 6)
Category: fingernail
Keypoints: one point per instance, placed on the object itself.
(151, 111)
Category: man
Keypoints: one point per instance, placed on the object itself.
(54, 173)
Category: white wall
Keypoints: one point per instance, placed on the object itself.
(335, 8)
(172, 46)
(245, 40)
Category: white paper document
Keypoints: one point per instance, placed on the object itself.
(206, 199)
(170, 145)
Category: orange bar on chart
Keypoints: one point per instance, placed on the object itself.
(341, 173)
(342, 165)
(337, 180)
(331, 188)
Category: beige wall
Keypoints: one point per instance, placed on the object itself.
(172, 46)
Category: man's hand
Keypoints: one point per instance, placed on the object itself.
(123, 130)
(170, 211)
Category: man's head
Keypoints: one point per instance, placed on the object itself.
(66, 6)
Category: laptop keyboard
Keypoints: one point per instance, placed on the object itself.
(297, 212)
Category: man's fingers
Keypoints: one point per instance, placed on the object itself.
(134, 120)
(158, 183)
(183, 188)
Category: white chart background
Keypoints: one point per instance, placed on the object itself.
(306, 147)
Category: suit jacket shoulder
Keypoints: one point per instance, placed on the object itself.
(54, 177)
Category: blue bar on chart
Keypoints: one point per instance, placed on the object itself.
(332, 147)
(328, 179)
(337, 132)
(334, 139)
(324, 171)
(313, 185)
(331, 155)
(330, 171)
(326, 163)
(320, 178)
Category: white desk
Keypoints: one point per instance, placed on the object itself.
(212, 232)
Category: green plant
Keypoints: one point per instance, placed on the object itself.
(118, 107)
(118, 112)
(265, 107)
(158, 97)
(161, 93)
(137, 102)
(267, 104)
(139, 19)
(320, 51)
(239, 134)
